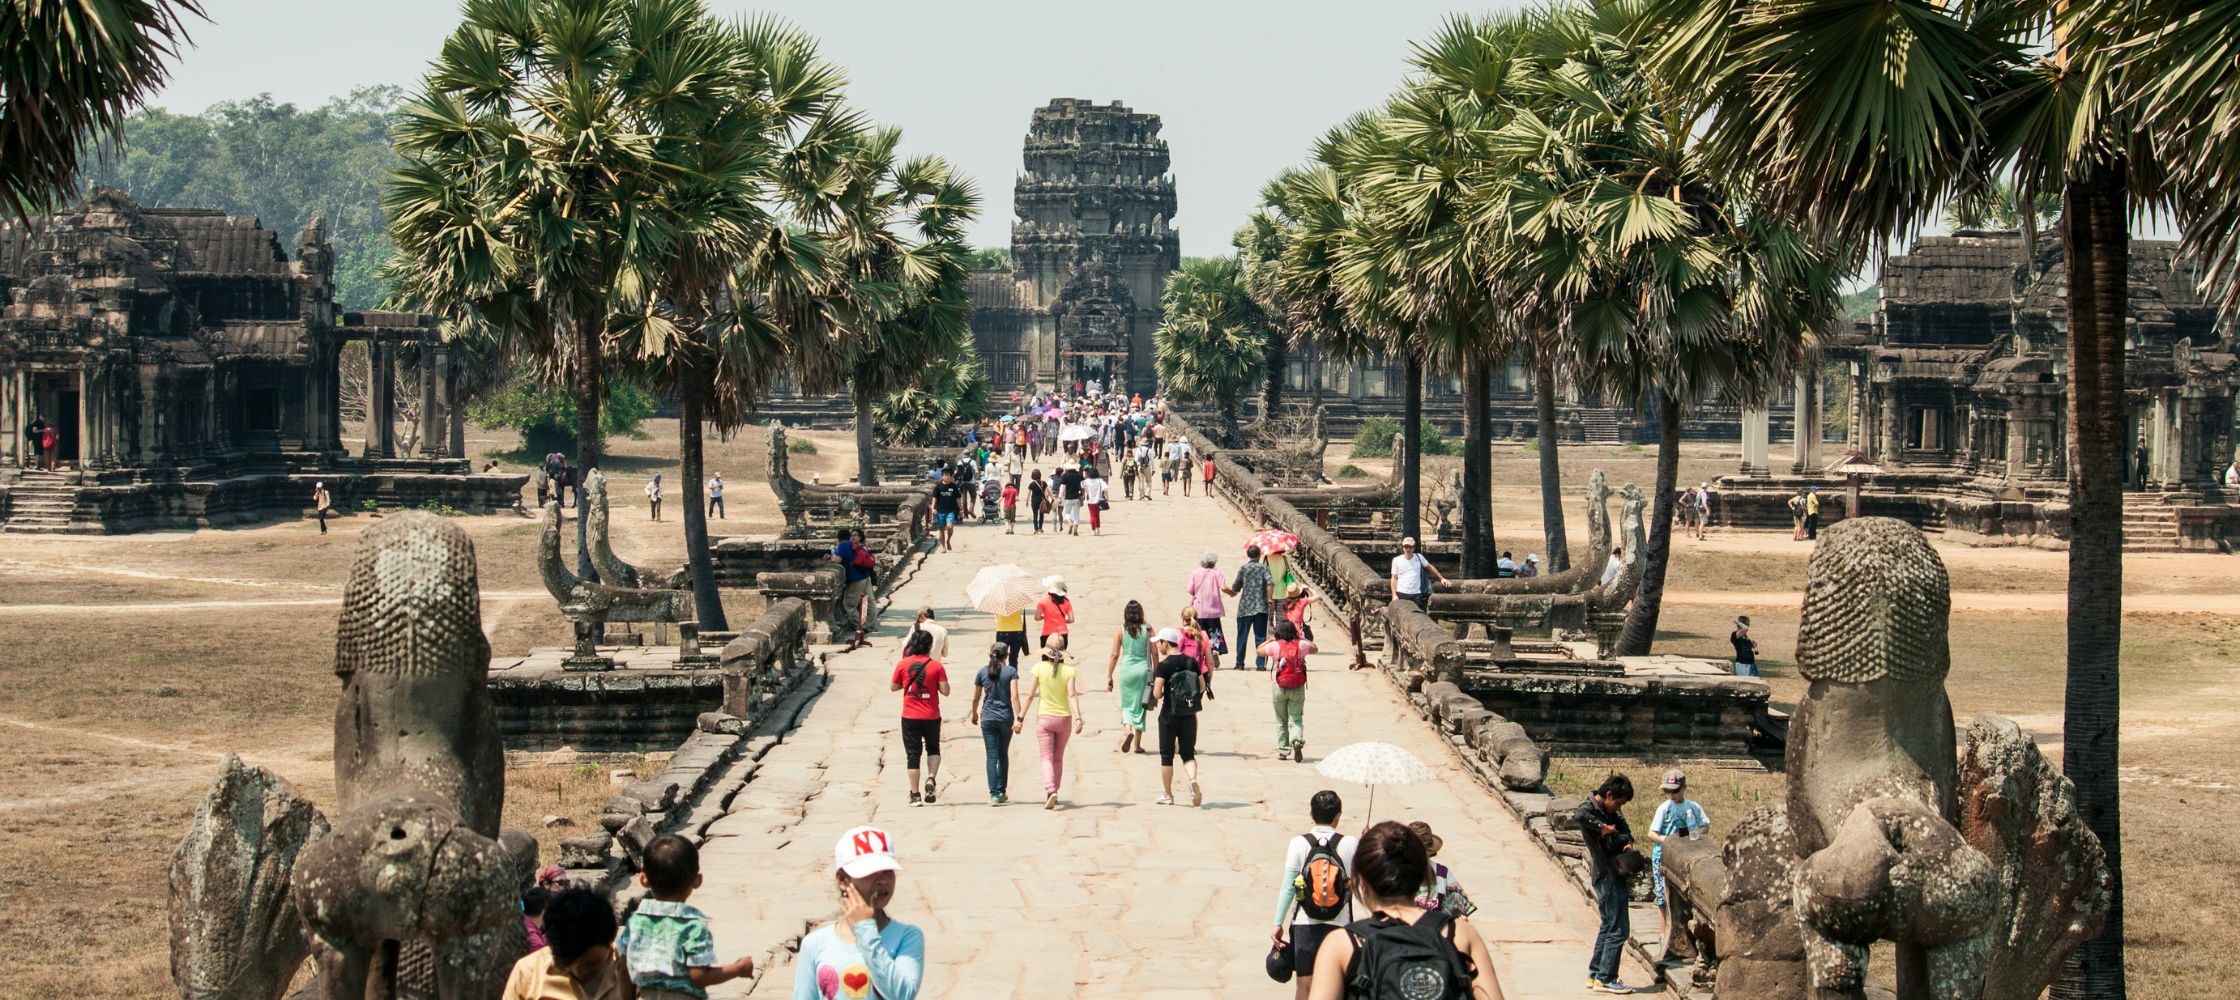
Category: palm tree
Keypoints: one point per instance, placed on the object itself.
(1259, 244)
(1212, 343)
(1863, 120)
(718, 266)
(951, 390)
(1678, 289)
(69, 73)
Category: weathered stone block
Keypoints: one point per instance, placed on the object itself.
(720, 722)
(585, 852)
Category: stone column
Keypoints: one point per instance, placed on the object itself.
(85, 427)
(1757, 441)
(381, 416)
(11, 419)
(1808, 422)
(431, 436)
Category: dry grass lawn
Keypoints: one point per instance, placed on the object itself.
(135, 663)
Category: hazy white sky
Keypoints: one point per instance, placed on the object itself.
(1242, 87)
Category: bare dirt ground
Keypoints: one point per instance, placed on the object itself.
(133, 664)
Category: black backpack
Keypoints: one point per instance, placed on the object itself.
(1184, 696)
(1400, 961)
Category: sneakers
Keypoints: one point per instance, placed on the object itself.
(929, 791)
(1282, 753)
(1298, 753)
(996, 799)
(914, 796)
(1050, 801)
(1613, 986)
(1166, 800)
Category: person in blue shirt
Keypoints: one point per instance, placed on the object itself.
(866, 953)
(1677, 817)
(855, 594)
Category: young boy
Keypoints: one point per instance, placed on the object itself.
(578, 962)
(1603, 824)
(1677, 817)
(666, 943)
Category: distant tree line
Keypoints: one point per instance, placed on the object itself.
(278, 162)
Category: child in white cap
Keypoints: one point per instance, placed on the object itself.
(865, 953)
(1677, 817)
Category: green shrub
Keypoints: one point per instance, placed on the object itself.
(546, 415)
(1353, 472)
(1379, 437)
(1532, 444)
(801, 446)
(369, 506)
(1633, 446)
(441, 509)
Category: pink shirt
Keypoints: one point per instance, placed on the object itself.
(1205, 586)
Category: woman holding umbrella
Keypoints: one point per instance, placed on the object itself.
(1131, 663)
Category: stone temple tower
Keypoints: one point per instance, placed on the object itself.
(1092, 244)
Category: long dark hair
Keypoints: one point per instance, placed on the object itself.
(1391, 863)
(1131, 618)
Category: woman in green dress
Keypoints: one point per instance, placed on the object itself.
(1131, 665)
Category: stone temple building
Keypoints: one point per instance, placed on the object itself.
(1958, 394)
(194, 372)
(1092, 244)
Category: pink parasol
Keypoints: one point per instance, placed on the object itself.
(1273, 542)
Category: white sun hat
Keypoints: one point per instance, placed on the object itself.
(863, 852)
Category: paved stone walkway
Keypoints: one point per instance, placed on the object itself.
(1111, 895)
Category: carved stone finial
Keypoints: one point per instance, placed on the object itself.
(235, 930)
(1876, 604)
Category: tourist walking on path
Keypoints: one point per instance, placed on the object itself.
(1038, 499)
(1603, 825)
(1290, 690)
(1206, 588)
(1796, 517)
(1056, 696)
(1409, 569)
(1011, 632)
(1677, 816)
(1197, 646)
(1147, 461)
(1054, 611)
(653, 495)
(865, 953)
(321, 503)
(995, 697)
(940, 633)
(1298, 609)
(1177, 685)
(948, 505)
(1010, 497)
(922, 681)
(715, 495)
(1130, 669)
(1316, 894)
(1093, 499)
(1401, 948)
(1442, 891)
(666, 944)
(1745, 648)
(1069, 491)
(1250, 588)
(1812, 512)
(1207, 467)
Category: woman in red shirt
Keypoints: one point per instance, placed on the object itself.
(922, 682)
(1054, 611)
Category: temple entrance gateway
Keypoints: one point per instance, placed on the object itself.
(54, 398)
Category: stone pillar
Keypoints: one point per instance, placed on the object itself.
(85, 427)
(1808, 422)
(1757, 441)
(11, 419)
(381, 415)
(431, 435)
(2018, 444)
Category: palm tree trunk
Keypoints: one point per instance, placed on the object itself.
(1641, 620)
(1411, 449)
(2095, 237)
(691, 394)
(867, 446)
(1478, 554)
(1232, 435)
(1271, 394)
(590, 393)
(1551, 468)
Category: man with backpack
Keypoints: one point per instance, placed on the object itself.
(1289, 653)
(1180, 692)
(1317, 894)
(859, 566)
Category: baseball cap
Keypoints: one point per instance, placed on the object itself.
(864, 851)
(1408, 542)
(1170, 636)
(1673, 780)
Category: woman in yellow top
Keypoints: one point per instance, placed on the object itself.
(1011, 630)
(1055, 695)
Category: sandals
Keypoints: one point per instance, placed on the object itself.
(1197, 796)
